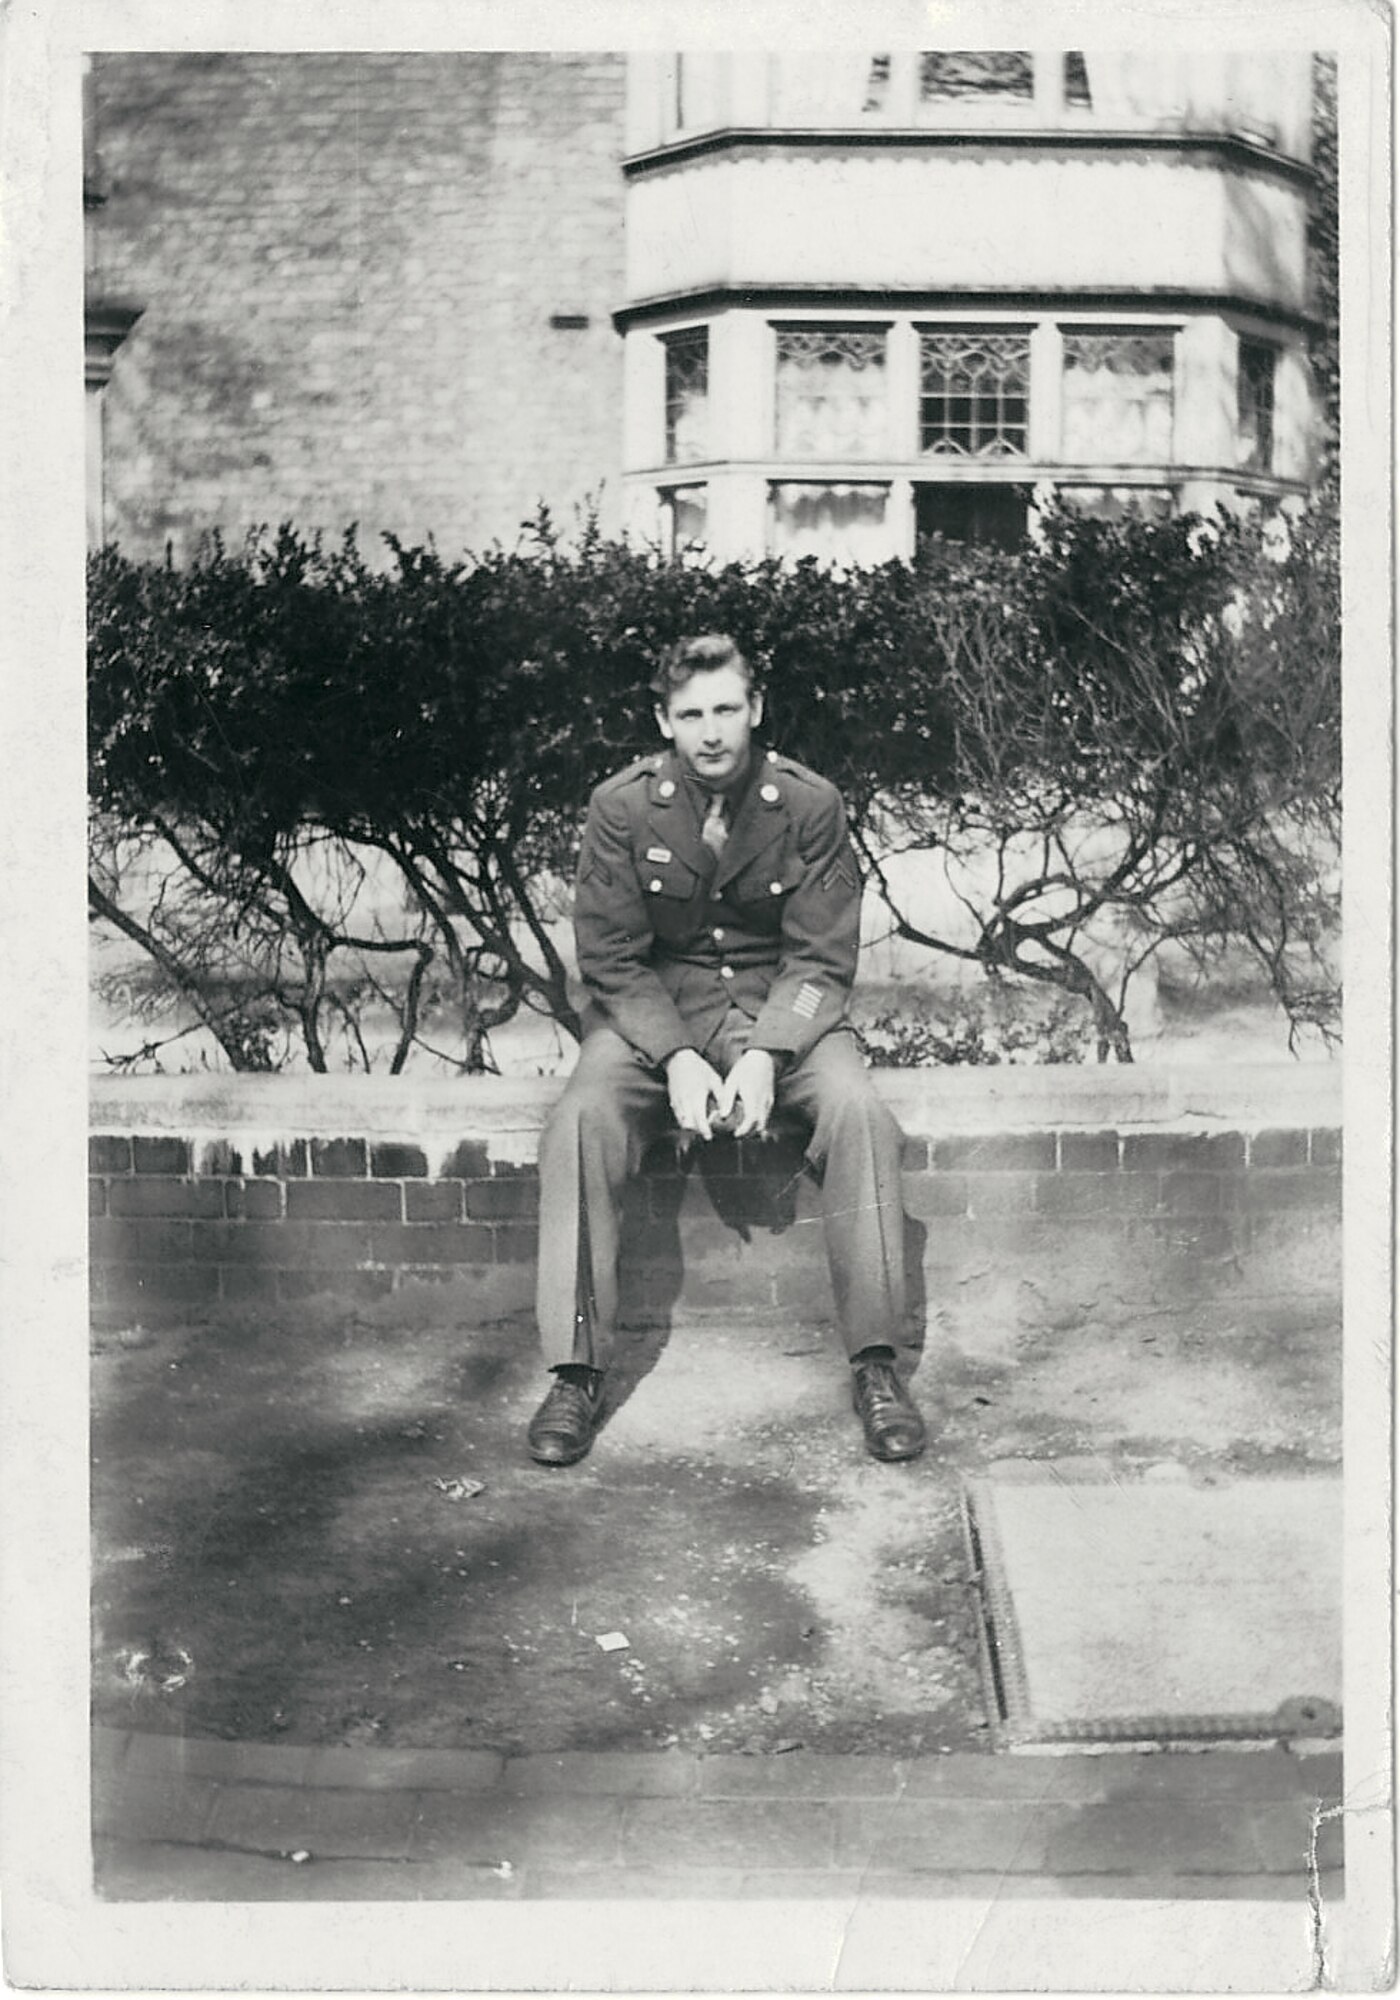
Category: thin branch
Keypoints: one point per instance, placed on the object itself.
(169, 964)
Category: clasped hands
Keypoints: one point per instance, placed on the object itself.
(702, 1098)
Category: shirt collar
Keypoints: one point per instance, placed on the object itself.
(700, 795)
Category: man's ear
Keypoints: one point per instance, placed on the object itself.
(663, 723)
(755, 709)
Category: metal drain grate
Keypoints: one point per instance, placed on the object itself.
(1121, 1611)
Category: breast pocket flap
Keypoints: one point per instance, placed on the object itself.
(671, 881)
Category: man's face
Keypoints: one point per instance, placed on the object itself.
(710, 719)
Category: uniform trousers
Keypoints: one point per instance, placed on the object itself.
(594, 1140)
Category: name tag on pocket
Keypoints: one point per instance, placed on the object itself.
(658, 854)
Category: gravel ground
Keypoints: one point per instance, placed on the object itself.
(320, 1525)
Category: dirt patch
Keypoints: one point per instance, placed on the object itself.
(321, 1526)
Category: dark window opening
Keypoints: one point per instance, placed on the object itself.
(994, 515)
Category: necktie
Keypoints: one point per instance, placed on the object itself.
(715, 830)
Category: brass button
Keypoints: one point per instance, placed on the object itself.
(654, 884)
(769, 794)
(667, 788)
(718, 937)
(775, 888)
(726, 972)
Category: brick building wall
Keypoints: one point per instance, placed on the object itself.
(348, 265)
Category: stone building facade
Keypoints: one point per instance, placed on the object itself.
(749, 302)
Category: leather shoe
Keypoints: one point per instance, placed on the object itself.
(561, 1430)
(890, 1418)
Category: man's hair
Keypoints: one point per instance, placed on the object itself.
(700, 655)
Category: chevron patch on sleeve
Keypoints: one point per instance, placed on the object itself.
(809, 999)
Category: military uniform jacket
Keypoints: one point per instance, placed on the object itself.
(670, 936)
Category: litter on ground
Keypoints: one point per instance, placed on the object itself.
(460, 1489)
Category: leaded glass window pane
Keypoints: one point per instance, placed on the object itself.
(1118, 397)
(831, 392)
(1256, 405)
(687, 395)
(960, 75)
(835, 523)
(974, 393)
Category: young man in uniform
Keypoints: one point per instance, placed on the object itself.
(717, 921)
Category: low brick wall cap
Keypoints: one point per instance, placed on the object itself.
(930, 1102)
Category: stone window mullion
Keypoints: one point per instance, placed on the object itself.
(1043, 429)
(1048, 85)
(904, 87)
(902, 370)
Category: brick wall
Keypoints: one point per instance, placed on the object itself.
(1042, 1208)
(348, 265)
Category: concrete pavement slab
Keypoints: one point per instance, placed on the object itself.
(494, 1828)
(281, 1819)
(620, 1773)
(1178, 1838)
(797, 1776)
(943, 1837)
(1245, 1774)
(729, 1833)
(393, 1768)
(167, 1757)
(1151, 1606)
(205, 1874)
(145, 1808)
